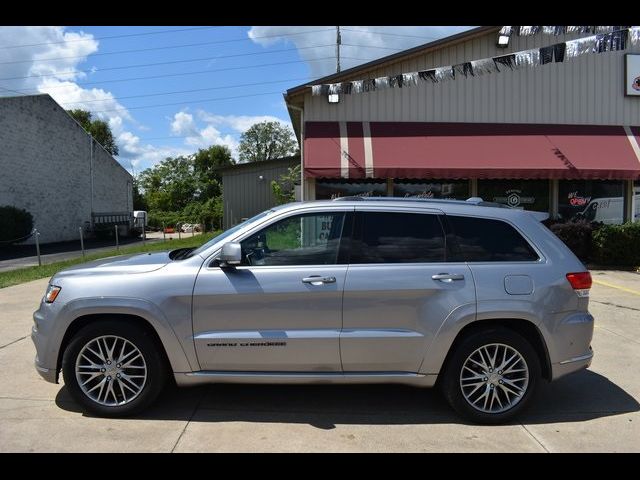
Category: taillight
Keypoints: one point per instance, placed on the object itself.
(580, 282)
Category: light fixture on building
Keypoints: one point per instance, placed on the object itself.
(503, 41)
(333, 98)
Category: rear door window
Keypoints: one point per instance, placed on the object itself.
(473, 239)
(397, 237)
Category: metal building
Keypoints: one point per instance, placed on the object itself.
(51, 167)
(246, 187)
(559, 137)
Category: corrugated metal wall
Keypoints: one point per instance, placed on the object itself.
(585, 90)
(245, 194)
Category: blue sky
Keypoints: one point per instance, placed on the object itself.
(94, 68)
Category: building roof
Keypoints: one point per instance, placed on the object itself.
(294, 159)
(394, 58)
(294, 97)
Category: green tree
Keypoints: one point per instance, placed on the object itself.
(170, 185)
(99, 129)
(206, 163)
(265, 141)
(284, 190)
(139, 200)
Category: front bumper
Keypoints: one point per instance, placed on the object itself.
(49, 374)
(41, 334)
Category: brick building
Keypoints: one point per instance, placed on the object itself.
(51, 167)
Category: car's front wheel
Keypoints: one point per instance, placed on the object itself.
(113, 368)
(491, 376)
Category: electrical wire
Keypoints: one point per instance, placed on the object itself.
(171, 62)
(389, 34)
(110, 37)
(202, 100)
(372, 46)
(189, 91)
(181, 74)
(162, 48)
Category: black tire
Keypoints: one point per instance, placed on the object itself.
(156, 369)
(451, 378)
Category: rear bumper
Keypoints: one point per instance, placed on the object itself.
(572, 364)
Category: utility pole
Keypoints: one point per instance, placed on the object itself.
(338, 43)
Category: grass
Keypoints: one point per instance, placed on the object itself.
(27, 274)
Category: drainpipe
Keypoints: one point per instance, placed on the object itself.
(302, 185)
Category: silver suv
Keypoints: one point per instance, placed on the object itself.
(482, 301)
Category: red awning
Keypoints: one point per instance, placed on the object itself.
(470, 150)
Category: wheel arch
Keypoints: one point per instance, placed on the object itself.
(525, 328)
(82, 321)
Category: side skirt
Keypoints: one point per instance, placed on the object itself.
(204, 377)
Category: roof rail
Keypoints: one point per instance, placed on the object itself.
(473, 200)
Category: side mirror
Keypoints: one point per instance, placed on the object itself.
(230, 255)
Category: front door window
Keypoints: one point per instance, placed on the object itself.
(309, 239)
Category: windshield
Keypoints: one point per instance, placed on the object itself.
(229, 232)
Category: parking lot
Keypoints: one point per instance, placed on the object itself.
(594, 410)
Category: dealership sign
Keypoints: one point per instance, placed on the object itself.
(514, 199)
(632, 75)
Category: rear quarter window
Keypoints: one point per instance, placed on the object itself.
(473, 239)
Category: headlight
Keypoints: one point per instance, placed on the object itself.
(52, 293)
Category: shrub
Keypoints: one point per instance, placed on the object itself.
(617, 245)
(15, 223)
(577, 236)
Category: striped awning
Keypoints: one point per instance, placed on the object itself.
(357, 150)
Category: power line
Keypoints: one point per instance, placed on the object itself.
(188, 91)
(182, 74)
(203, 100)
(372, 46)
(164, 47)
(172, 62)
(156, 32)
(391, 34)
(10, 90)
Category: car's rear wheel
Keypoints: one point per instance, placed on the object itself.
(491, 376)
(113, 368)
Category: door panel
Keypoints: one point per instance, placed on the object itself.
(267, 319)
(398, 290)
(282, 309)
(391, 313)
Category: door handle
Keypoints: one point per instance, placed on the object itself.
(318, 280)
(448, 277)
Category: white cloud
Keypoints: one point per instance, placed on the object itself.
(183, 124)
(142, 156)
(52, 66)
(239, 123)
(206, 128)
(358, 47)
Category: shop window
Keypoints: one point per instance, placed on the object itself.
(521, 194)
(453, 189)
(330, 189)
(592, 200)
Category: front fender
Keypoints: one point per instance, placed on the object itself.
(178, 358)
